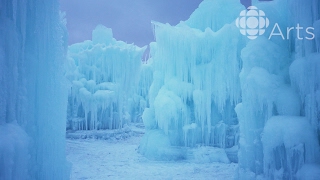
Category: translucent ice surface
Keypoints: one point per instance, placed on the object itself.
(33, 91)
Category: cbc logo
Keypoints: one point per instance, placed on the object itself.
(252, 23)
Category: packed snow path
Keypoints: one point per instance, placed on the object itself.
(105, 159)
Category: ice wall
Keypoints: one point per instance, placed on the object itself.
(278, 115)
(33, 93)
(195, 83)
(105, 77)
(203, 71)
(260, 83)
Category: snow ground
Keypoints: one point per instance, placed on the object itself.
(100, 159)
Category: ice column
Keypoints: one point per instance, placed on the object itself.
(33, 92)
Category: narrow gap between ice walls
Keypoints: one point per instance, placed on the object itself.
(33, 96)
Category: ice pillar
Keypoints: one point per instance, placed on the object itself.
(33, 93)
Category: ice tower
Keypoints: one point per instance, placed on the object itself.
(105, 75)
(195, 83)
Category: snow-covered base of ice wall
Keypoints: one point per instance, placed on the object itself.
(33, 95)
(105, 77)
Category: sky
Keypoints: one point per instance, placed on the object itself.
(130, 20)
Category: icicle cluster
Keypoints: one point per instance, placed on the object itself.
(104, 75)
(195, 82)
(279, 113)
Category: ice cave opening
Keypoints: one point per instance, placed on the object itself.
(230, 90)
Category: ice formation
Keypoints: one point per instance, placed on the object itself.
(206, 92)
(33, 93)
(105, 76)
(195, 82)
(212, 87)
(279, 101)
